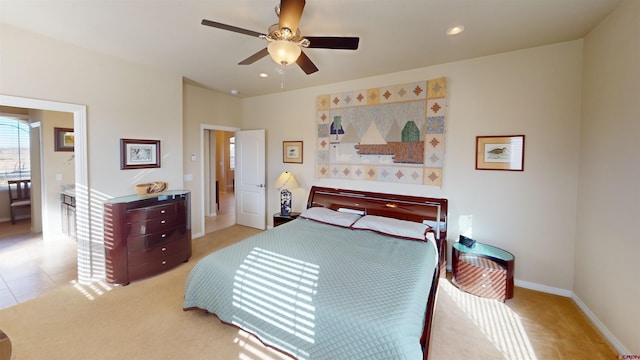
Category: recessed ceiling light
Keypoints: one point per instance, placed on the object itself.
(234, 92)
(264, 75)
(455, 30)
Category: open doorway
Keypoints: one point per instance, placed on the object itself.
(219, 179)
(89, 264)
(36, 253)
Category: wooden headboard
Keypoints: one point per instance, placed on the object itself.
(433, 211)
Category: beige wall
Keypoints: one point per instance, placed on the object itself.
(607, 245)
(535, 92)
(122, 99)
(203, 109)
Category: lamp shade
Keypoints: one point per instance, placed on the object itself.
(287, 181)
(283, 51)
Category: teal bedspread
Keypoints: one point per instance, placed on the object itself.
(317, 291)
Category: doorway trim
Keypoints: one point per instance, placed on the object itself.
(203, 166)
(86, 267)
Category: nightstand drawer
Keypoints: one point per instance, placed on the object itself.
(481, 277)
(483, 270)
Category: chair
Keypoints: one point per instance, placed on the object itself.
(19, 196)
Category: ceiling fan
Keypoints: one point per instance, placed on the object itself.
(286, 41)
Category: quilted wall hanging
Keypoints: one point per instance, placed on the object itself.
(389, 134)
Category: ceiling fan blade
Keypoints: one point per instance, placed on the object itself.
(255, 57)
(306, 64)
(290, 14)
(331, 42)
(231, 28)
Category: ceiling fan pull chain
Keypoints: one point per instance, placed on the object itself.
(283, 85)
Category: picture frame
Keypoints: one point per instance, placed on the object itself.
(139, 154)
(64, 139)
(292, 152)
(501, 152)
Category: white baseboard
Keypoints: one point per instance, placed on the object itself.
(197, 235)
(543, 288)
(600, 326)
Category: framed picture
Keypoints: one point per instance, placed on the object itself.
(292, 152)
(139, 154)
(64, 140)
(504, 152)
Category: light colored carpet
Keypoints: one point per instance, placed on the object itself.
(144, 320)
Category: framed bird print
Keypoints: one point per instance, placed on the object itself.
(503, 152)
(292, 152)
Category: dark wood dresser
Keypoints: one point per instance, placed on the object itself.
(146, 235)
(483, 270)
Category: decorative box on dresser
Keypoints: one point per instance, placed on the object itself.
(483, 270)
(146, 235)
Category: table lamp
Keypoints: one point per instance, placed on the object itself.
(285, 182)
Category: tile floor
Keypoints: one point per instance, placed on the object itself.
(29, 266)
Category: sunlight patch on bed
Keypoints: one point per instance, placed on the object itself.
(278, 290)
(496, 320)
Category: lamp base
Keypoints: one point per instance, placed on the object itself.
(285, 202)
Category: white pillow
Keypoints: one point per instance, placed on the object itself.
(393, 227)
(329, 216)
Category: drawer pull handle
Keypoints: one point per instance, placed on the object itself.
(164, 263)
(164, 235)
(163, 221)
(164, 249)
(162, 211)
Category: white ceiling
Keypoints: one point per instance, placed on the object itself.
(395, 35)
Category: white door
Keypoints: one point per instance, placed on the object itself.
(250, 179)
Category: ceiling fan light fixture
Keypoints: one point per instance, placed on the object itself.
(455, 30)
(283, 51)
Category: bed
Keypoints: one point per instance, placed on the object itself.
(353, 277)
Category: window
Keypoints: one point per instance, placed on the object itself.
(232, 153)
(15, 160)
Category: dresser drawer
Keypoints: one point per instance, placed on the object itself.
(159, 265)
(158, 252)
(152, 212)
(153, 226)
(142, 242)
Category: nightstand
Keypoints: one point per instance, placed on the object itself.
(281, 219)
(483, 270)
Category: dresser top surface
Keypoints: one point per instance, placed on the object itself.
(166, 195)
